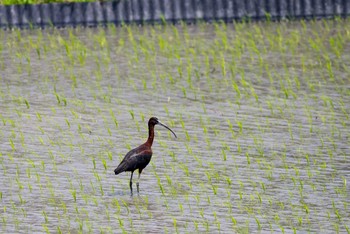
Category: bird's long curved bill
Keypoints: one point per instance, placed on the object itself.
(167, 128)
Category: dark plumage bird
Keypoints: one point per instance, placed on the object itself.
(139, 157)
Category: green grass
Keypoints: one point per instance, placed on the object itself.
(261, 111)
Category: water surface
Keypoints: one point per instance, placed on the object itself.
(261, 112)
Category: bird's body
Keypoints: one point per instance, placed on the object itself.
(139, 157)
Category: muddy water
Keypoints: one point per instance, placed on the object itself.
(270, 157)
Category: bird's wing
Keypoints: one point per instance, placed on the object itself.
(133, 159)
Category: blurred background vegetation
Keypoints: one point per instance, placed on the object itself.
(13, 2)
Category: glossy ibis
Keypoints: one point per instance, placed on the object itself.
(139, 157)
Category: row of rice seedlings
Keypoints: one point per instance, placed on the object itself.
(188, 89)
(301, 182)
(185, 88)
(40, 118)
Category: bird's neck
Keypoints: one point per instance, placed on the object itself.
(150, 135)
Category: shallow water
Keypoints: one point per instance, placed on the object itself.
(262, 126)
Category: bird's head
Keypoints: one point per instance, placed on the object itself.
(154, 121)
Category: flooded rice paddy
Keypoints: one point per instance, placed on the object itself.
(261, 112)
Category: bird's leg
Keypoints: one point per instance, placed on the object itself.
(131, 182)
(138, 183)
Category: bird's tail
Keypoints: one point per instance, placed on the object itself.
(119, 169)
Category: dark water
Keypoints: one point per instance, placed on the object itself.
(261, 112)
